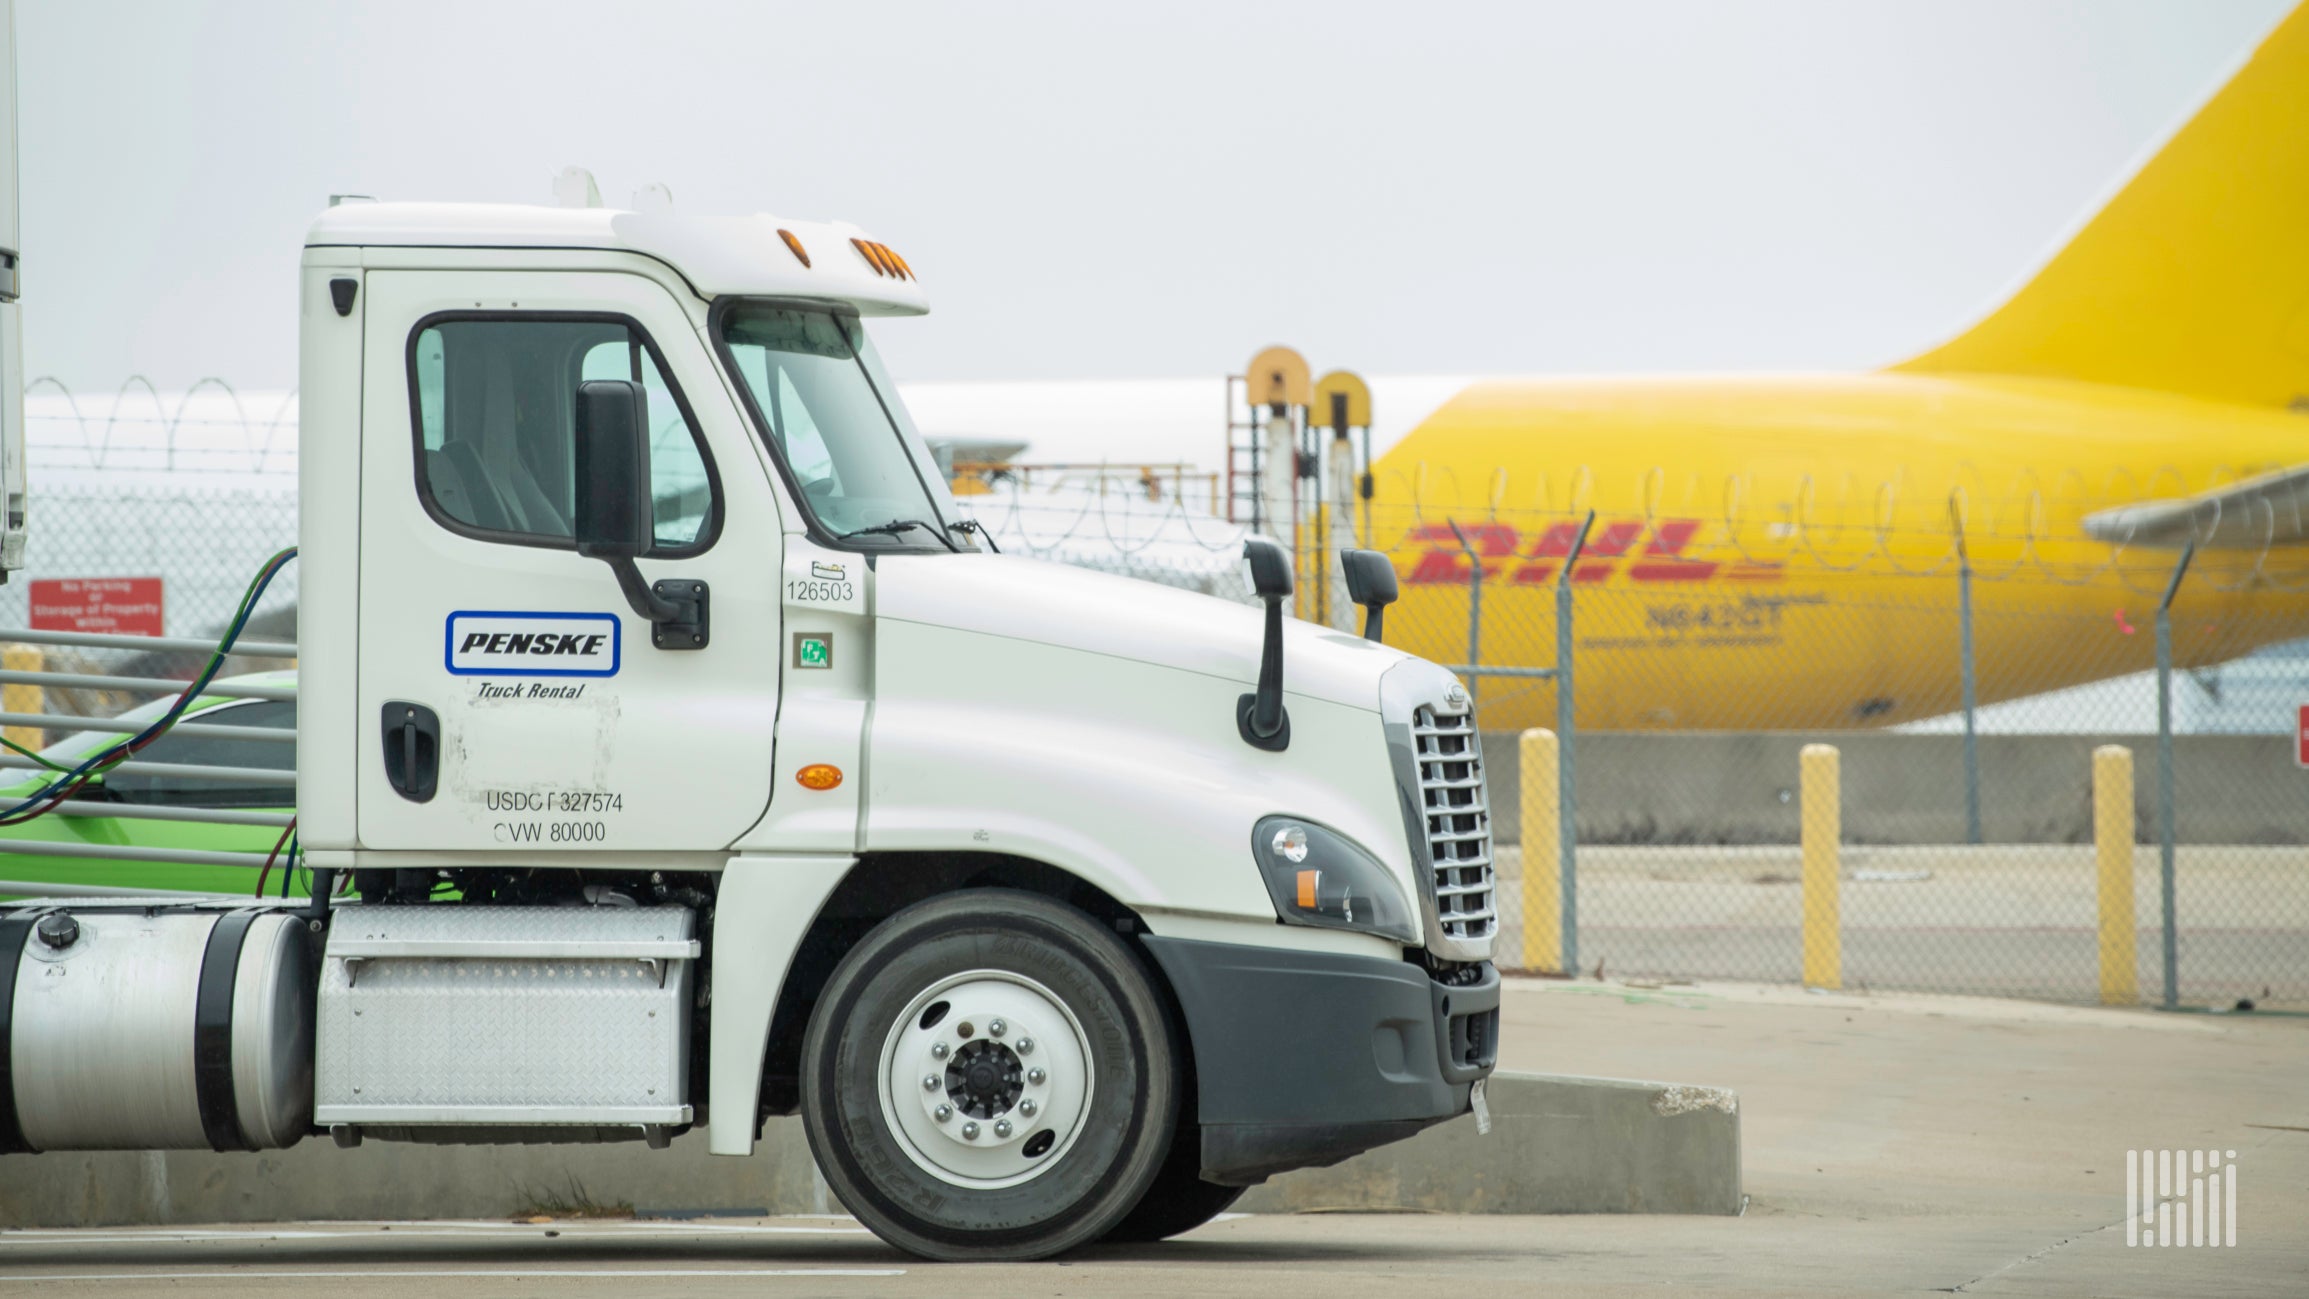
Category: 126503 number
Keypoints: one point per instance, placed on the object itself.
(804, 590)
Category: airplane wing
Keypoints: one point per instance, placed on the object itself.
(2251, 514)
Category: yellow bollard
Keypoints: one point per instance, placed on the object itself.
(22, 699)
(1823, 814)
(2113, 847)
(1542, 854)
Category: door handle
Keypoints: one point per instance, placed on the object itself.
(412, 750)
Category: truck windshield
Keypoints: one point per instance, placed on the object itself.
(833, 419)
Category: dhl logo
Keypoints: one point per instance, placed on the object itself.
(1612, 547)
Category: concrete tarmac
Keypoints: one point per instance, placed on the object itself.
(1895, 1145)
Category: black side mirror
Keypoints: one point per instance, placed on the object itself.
(612, 517)
(1370, 583)
(612, 462)
(1270, 569)
(1260, 717)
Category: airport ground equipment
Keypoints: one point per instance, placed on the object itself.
(685, 761)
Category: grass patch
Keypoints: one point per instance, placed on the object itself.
(570, 1201)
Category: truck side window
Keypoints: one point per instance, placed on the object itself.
(494, 399)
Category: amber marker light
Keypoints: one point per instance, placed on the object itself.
(1307, 882)
(819, 776)
(884, 259)
(794, 246)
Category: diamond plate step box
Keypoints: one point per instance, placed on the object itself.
(509, 1017)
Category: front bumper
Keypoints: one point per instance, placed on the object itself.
(1303, 1059)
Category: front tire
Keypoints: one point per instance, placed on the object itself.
(990, 1076)
(1180, 1200)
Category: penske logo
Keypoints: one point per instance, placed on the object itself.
(499, 644)
(1642, 550)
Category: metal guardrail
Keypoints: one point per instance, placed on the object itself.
(151, 812)
(180, 770)
(27, 683)
(206, 730)
(141, 685)
(262, 649)
(133, 852)
(51, 889)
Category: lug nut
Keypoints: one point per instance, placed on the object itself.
(1002, 1127)
(938, 1050)
(969, 1132)
(1024, 1046)
(930, 1082)
(996, 1028)
(1036, 1076)
(942, 1113)
(1027, 1107)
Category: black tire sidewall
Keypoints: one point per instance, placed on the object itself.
(1120, 1141)
(1179, 1200)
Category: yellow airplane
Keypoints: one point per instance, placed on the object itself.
(1783, 552)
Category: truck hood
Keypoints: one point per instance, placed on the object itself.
(1146, 622)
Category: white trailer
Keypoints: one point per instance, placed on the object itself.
(691, 761)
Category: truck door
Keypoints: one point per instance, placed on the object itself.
(510, 698)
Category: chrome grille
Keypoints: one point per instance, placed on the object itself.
(1458, 816)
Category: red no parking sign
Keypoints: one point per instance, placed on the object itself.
(120, 606)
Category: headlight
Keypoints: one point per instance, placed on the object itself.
(1320, 877)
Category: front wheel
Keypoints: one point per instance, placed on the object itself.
(989, 1075)
(1180, 1200)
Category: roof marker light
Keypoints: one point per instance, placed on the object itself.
(794, 246)
(883, 259)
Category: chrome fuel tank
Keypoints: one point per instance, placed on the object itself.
(158, 1027)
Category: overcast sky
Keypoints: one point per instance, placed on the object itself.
(1100, 190)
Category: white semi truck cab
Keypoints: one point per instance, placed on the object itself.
(692, 760)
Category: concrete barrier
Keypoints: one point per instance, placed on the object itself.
(1711, 788)
(1558, 1145)
(385, 1179)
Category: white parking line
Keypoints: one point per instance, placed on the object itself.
(393, 1274)
(671, 1225)
(48, 1236)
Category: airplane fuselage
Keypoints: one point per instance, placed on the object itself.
(1783, 552)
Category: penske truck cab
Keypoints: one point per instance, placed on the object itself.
(674, 753)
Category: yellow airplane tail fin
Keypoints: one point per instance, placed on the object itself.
(2194, 279)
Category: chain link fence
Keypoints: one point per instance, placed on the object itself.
(204, 541)
(1966, 687)
(1967, 854)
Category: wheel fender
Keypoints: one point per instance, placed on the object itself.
(764, 907)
